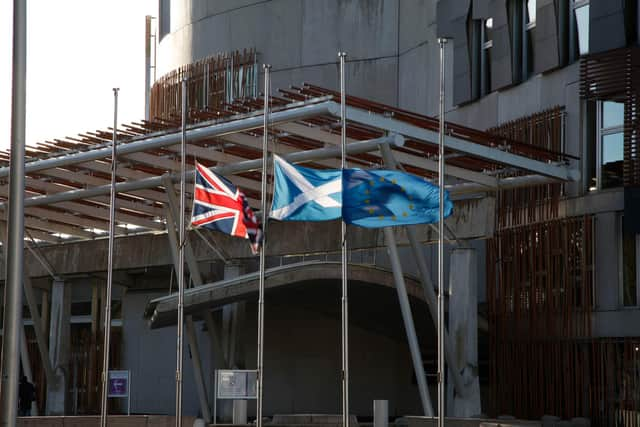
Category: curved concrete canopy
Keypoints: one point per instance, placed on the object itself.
(163, 311)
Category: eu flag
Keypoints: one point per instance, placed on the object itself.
(385, 198)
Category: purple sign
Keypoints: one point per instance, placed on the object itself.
(118, 383)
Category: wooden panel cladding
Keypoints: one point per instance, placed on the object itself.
(615, 76)
(212, 83)
(539, 300)
(544, 130)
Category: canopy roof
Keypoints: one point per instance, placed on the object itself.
(67, 184)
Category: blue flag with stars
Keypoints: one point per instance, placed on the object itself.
(386, 198)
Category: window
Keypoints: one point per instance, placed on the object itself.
(630, 252)
(581, 12)
(610, 144)
(529, 19)
(164, 21)
(485, 67)
(522, 16)
(531, 14)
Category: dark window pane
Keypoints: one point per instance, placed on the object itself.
(629, 294)
(164, 13)
(612, 159)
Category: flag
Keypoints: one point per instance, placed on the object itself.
(303, 194)
(367, 198)
(384, 198)
(219, 205)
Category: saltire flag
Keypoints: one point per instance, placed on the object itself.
(303, 194)
(218, 205)
(367, 198)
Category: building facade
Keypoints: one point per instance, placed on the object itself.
(557, 277)
(561, 283)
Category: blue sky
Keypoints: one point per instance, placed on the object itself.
(77, 51)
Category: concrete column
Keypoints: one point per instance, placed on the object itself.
(59, 347)
(463, 327)
(232, 324)
(233, 316)
(380, 413)
(239, 412)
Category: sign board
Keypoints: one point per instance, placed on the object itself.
(236, 384)
(118, 384)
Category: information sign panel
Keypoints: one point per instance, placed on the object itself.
(236, 384)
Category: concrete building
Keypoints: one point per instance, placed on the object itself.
(553, 265)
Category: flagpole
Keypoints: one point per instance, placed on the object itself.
(107, 307)
(183, 179)
(343, 239)
(14, 250)
(441, 366)
(265, 154)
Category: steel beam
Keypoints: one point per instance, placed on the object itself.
(37, 327)
(457, 144)
(407, 318)
(243, 123)
(427, 286)
(245, 166)
(171, 211)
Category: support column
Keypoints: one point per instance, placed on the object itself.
(233, 316)
(427, 284)
(37, 327)
(190, 327)
(59, 347)
(463, 325)
(409, 327)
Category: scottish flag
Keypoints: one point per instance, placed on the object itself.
(367, 198)
(385, 198)
(303, 194)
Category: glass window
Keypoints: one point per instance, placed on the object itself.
(164, 14)
(485, 67)
(582, 21)
(629, 274)
(612, 114)
(610, 143)
(531, 14)
(612, 159)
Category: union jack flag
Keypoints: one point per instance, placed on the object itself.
(219, 205)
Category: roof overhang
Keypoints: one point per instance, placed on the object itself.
(162, 312)
(68, 180)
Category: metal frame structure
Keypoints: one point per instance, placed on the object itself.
(68, 180)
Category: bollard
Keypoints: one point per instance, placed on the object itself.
(380, 413)
(239, 412)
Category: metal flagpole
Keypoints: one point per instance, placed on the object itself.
(265, 154)
(107, 308)
(441, 367)
(345, 306)
(183, 180)
(15, 242)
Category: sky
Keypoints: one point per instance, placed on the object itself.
(77, 51)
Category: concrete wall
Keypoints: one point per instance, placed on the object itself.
(151, 357)
(302, 360)
(386, 42)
